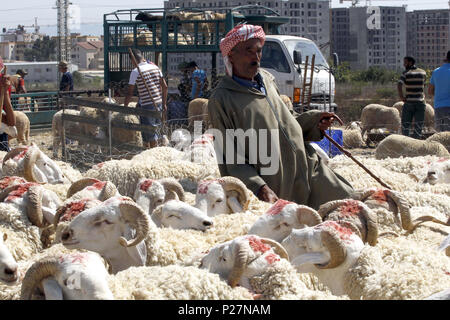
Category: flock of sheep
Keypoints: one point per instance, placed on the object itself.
(162, 226)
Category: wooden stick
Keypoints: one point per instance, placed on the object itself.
(2, 93)
(348, 154)
(133, 59)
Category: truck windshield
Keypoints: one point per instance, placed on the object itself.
(307, 48)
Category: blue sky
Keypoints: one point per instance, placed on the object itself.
(91, 11)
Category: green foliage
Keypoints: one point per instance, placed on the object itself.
(386, 93)
(42, 50)
(77, 78)
(344, 74)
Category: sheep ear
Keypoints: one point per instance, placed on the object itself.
(52, 290)
(234, 204)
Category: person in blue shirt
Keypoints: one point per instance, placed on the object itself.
(66, 83)
(440, 88)
(199, 81)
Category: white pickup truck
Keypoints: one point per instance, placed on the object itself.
(278, 59)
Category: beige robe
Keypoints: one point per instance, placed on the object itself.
(302, 176)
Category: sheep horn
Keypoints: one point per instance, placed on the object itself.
(157, 215)
(138, 219)
(403, 209)
(80, 185)
(338, 253)
(36, 273)
(240, 263)
(28, 163)
(351, 226)
(5, 192)
(423, 219)
(172, 186)
(363, 194)
(308, 216)
(234, 184)
(13, 153)
(278, 248)
(108, 191)
(326, 208)
(34, 208)
(370, 220)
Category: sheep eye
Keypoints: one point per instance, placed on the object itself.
(219, 200)
(65, 282)
(173, 216)
(224, 259)
(286, 224)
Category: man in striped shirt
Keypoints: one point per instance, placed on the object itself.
(413, 79)
(155, 100)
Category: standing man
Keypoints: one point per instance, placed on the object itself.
(440, 88)
(8, 119)
(199, 81)
(66, 83)
(247, 99)
(157, 99)
(18, 82)
(413, 79)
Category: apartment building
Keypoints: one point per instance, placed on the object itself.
(38, 72)
(428, 36)
(309, 19)
(370, 36)
(88, 54)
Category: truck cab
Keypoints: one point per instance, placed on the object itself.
(278, 59)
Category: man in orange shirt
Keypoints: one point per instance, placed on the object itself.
(7, 126)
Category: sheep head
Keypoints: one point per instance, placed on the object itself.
(76, 276)
(439, 172)
(92, 188)
(283, 216)
(180, 215)
(223, 195)
(8, 265)
(151, 193)
(106, 229)
(242, 258)
(355, 214)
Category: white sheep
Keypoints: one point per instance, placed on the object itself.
(396, 145)
(39, 203)
(151, 193)
(32, 164)
(23, 128)
(283, 216)
(428, 119)
(260, 265)
(438, 172)
(83, 275)
(441, 137)
(376, 116)
(179, 215)
(198, 111)
(201, 150)
(70, 127)
(156, 163)
(8, 265)
(92, 189)
(394, 269)
(351, 138)
(223, 195)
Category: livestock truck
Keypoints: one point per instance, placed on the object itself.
(159, 33)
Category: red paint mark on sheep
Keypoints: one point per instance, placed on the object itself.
(73, 209)
(257, 245)
(8, 181)
(446, 272)
(277, 207)
(97, 186)
(350, 209)
(272, 258)
(442, 159)
(380, 195)
(20, 191)
(21, 155)
(203, 186)
(146, 184)
(343, 232)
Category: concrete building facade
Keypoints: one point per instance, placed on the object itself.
(370, 36)
(428, 36)
(38, 72)
(309, 19)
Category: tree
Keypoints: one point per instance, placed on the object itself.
(42, 50)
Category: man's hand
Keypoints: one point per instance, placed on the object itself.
(266, 194)
(326, 120)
